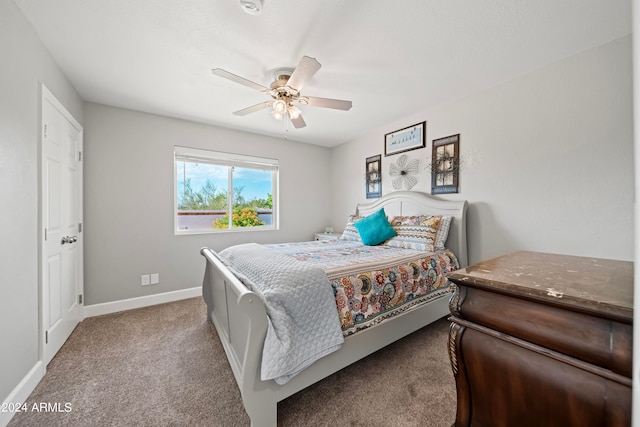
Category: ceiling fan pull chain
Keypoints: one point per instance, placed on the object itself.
(286, 127)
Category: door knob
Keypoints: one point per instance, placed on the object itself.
(69, 239)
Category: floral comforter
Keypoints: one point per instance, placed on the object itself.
(373, 283)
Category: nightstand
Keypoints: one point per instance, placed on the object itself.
(325, 236)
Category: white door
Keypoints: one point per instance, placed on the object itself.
(61, 213)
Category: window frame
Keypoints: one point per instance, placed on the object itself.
(228, 160)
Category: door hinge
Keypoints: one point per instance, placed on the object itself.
(46, 337)
(79, 299)
(45, 234)
(45, 131)
(79, 156)
(79, 227)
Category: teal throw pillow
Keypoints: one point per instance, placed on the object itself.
(375, 228)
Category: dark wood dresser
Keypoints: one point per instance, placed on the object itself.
(542, 340)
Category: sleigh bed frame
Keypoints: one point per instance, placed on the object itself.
(240, 317)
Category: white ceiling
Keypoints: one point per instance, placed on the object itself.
(390, 57)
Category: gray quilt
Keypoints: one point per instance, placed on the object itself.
(303, 321)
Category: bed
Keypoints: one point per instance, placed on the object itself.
(244, 327)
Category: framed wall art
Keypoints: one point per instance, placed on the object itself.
(409, 138)
(445, 164)
(373, 176)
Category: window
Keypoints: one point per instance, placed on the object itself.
(222, 192)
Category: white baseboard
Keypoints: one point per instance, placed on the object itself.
(131, 303)
(22, 391)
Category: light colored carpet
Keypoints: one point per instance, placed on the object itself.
(164, 366)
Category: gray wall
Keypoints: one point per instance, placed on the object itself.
(25, 63)
(128, 201)
(548, 159)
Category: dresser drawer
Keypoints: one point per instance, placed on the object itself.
(508, 384)
(601, 342)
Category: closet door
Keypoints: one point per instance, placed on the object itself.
(61, 214)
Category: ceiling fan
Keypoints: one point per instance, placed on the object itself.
(285, 91)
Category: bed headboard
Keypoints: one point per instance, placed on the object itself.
(408, 203)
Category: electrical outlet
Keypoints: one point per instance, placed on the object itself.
(155, 278)
(145, 280)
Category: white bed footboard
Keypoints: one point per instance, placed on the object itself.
(240, 318)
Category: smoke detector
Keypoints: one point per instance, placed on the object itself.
(252, 7)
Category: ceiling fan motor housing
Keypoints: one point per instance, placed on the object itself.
(280, 89)
(280, 81)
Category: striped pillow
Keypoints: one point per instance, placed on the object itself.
(443, 232)
(350, 232)
(415, 232)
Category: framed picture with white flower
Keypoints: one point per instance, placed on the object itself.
(373, 176)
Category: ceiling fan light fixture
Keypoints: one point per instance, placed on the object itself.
(280, 107)
(252, 7)
(293, 111)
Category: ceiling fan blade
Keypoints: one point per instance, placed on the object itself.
(230, 76)
(306, 69)
(299, 122)
(336, 104)
(253, 108)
